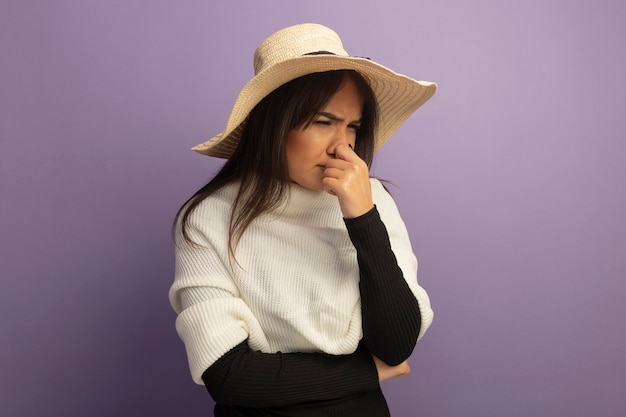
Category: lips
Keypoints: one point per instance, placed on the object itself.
(323, 166)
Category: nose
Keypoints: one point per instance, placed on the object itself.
(340, 137)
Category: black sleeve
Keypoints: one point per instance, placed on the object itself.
(248, 378)
(390, 311)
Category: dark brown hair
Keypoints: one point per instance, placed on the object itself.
(259, 162)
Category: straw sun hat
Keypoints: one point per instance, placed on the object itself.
(308, 48)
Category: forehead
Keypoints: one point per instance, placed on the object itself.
(347, 100)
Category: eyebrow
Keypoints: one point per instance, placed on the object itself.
(335, 117)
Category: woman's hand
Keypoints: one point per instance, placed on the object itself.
(387, 372)
(347, 177)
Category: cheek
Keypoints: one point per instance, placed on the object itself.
(292, 163)
(298, 148)
(292, 152)
(295, 153)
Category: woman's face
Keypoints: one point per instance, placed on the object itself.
(310, 147)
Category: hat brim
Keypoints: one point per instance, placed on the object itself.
(398, 96)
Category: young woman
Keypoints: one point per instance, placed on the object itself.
(295, 279)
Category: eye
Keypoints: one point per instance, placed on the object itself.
(354, 126)
(322, 122)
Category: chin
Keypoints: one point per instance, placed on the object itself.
(313, 186)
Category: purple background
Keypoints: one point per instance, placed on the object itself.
(511, 181)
